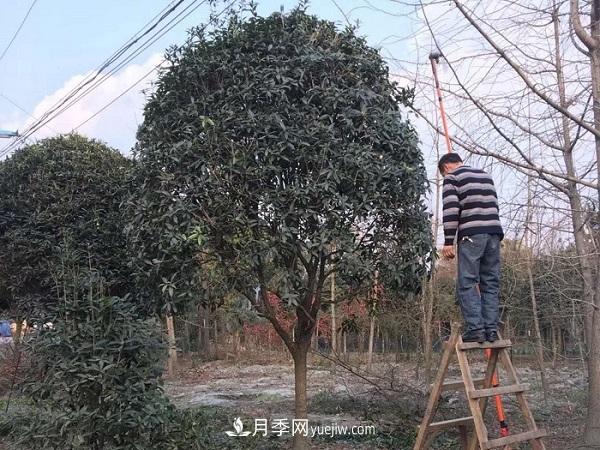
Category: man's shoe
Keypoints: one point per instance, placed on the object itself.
(491, 336)
(473, 336)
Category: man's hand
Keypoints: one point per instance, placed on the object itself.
(448, 251)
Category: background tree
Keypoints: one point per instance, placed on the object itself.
(522, 84)
(270, 140)
(60, 199)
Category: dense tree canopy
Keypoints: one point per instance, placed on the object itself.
(59, 211)
(274, 151)
(275, 137)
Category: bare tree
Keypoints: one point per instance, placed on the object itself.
(542, 95)
(524, 89)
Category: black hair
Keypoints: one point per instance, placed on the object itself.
(448, 158)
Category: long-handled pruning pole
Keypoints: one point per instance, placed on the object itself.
(434, 57)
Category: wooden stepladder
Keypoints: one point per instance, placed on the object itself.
(477, 391)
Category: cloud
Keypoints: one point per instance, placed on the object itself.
(117, 124)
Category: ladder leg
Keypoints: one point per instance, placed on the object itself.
(480, 428)
(489, 377)
(477, 398)
(489, 374)
(536, 444)
(421, 442)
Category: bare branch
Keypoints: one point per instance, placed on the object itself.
(575, 20)
(522, 74)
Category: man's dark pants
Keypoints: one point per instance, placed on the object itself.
(479, 263)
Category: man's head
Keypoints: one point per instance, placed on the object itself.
(449, 162)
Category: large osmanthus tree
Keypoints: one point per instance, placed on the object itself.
(60, 211)
(273, 151)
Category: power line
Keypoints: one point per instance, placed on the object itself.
(18, 29)
(165, 11)
(12, 102)
(146, 74)
(76, 98)
(62, 104)
(111, 59)
(161, 32)
(57, 108)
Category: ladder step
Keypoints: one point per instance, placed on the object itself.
(521, 437)
(490, 392)
(476, 345)
(438, 426)
(460, 384)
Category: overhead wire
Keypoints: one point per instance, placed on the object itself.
(78, 96)
(91, 82)
(16, 105)
(120, 50)
(69, 99)
(18, 30)
(147, 74)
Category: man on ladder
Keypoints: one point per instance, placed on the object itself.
(470, 215)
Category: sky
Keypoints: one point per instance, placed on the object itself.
(64, 40)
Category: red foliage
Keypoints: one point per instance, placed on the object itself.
(266, 335)
(264, 331)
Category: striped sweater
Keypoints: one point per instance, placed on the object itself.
(470, 204)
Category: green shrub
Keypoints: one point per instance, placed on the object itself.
(94, 381)
(200, 429)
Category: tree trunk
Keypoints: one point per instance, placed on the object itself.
(361, 344)
(427, 295)
(554, 329)
(301, 442)
(269, 341)
(427, 310)
(200, 344)
(334, 346)
(371, 335)
(539, 348)
(18, 331)
(587, 261)
(373, 307)
(591, 435)
(206, 334)
(236, 345)
(172, 361)
(187, 341)
(216, 329)
(418, 362)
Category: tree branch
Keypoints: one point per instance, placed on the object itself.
(268, 312)
(522, 74)
(524, 168)
(575, 20)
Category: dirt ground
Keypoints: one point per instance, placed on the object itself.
(390, 397)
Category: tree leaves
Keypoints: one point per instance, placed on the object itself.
(94, 379)
(59, 207)
(278, 137)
